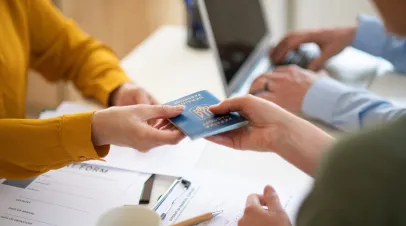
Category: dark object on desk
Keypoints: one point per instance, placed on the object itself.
(301, 58)
(196, 35)
(147, 191)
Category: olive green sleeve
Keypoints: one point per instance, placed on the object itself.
(360, 181)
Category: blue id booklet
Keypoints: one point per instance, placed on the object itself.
(197, 121)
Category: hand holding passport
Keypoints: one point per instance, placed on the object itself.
(197, 121)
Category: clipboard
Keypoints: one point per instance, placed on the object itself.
(178, 188)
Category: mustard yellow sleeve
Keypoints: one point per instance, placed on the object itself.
(60, 50)
(30, 147)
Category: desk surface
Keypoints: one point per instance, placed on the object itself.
(166, 67)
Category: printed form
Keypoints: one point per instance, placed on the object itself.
(74, 195)
(211, 192)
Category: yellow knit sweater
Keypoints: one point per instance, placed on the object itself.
(34, 34)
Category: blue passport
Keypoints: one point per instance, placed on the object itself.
(197, 121)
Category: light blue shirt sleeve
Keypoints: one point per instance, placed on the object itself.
(350, 108)
(372, 38)
(347, 108)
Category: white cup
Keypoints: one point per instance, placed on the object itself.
(130, 216)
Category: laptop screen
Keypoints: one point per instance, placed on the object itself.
(238, 26)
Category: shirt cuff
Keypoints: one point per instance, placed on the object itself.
(370, 36)
(108, 83)
(320, 100)
(76, 136)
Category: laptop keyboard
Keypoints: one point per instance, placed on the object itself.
(262, 67)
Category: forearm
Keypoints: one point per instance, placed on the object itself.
(304, 145)
(32, 147)
(347, 108)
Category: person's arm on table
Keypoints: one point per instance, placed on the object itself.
(272, 128)
(29, 147)
(325, 99)
(347, 108)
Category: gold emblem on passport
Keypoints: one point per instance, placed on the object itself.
(201, 112)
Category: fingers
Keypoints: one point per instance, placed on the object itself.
(264, 80)
(237, 104)
(292, 41)
(141, 97)
(318, 63)
(271, 200)
(255, 200)
(163, 137)
(153, 100)
(168, 126)
(161, 111)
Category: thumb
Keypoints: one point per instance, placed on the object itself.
(161, 111)
(236, 104)
(319, 62)
(271, 199)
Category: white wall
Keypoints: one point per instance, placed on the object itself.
(324, 13)
(277, 17)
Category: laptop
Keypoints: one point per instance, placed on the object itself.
(238, 34)
(240, 38)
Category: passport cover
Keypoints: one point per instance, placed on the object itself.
(197, 121)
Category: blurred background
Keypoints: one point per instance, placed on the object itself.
(124, 24)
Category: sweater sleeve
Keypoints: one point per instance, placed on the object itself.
(30, 147)
(61, 50)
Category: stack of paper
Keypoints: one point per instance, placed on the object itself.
(75, 195)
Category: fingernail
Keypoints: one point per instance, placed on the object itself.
(215, 105)
(180, 107)
(269, 190)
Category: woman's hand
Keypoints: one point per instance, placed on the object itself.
(264, 210)
(271, 128)
(127, 126)
(131, 94)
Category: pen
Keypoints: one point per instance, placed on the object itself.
(199, 219)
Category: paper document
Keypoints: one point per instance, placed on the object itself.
(212, 192)
(74, 195)
(166, 160)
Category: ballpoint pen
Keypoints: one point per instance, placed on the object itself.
(199, 219)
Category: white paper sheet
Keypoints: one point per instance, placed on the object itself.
(211, 191)
(166, 160)
(75, 195)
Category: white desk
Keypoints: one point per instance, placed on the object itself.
(166, 67)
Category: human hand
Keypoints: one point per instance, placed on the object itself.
(256, 215)
(127, 126)
(131, 94)
(285, 86)
(268, 124)
(271, 128)
(330, 41)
